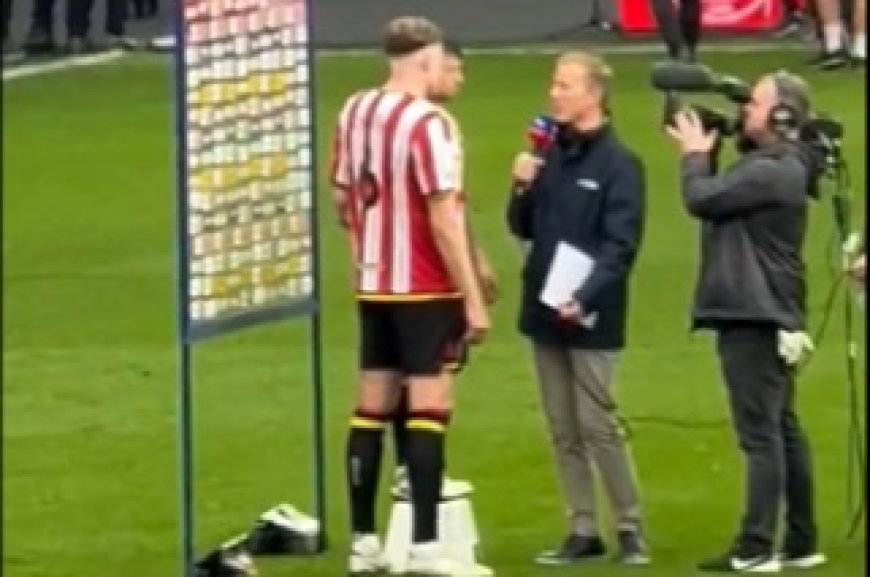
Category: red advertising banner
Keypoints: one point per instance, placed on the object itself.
(636, 16)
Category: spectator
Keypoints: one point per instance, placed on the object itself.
(680, 29)
(145, 8)
(40, 38)
(796, 21)
(7, 16)
(79, 24)
(834, 54)
(859, 32)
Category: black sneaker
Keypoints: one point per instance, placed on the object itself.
(731, 563)
(632, 548)
(576, 548)
(831, 60)
(792, 27)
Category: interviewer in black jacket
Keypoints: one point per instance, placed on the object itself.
(586, 190)
(751, 291)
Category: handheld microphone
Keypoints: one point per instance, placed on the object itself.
(686, 77)
(541, 135)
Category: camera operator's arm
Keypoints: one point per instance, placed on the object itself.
(707, 195)
(742, 188)
(622, 228)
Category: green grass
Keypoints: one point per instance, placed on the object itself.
(90, 361)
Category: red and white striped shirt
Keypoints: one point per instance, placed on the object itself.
(391, 151)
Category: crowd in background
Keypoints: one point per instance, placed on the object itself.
(43, 40)
(839, 27)
(836, 27)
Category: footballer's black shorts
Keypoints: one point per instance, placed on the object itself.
(420, 338)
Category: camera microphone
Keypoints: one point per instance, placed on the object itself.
(686, 77)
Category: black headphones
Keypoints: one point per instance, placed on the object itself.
(785, 119)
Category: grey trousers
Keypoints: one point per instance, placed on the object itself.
(575, 388)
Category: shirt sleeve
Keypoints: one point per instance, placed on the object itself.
(341, 175)
(433, 152)
(744, 187)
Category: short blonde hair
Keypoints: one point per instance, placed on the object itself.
(408, 34)
(597, 70)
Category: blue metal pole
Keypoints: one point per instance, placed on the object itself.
(185, 436)
(185, 441)
(316, 329)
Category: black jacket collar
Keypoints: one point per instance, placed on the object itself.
(576, 143)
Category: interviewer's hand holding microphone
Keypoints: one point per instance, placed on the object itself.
(526, 166)
(540, 135)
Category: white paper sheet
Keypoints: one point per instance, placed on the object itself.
(568, 271)
(570, 268)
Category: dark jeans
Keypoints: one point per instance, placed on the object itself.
(7, 17)
(116, 16)
(778, 462)
(681, 30)
(42, 18)
(79, 17)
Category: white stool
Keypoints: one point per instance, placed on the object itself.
(457, 535)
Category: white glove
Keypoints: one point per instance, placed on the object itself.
(793, 346)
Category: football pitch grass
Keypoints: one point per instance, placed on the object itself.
(90, 364)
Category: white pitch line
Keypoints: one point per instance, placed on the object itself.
(26, 70)
(629, 48)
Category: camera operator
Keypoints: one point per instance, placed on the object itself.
(751, 291)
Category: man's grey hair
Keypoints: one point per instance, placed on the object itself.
(794, 92)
